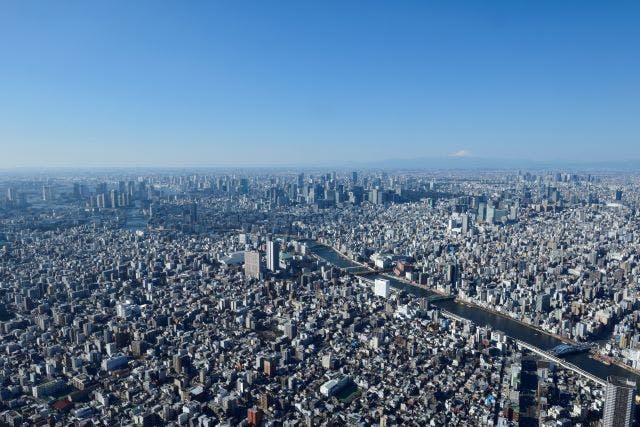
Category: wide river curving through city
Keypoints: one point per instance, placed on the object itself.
(482, 317)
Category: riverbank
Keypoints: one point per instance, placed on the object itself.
(596, 355)
(523, 323)
(457, 299)
(513, 328)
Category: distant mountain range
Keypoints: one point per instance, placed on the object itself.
(469, 162)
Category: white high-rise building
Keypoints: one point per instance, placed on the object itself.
(273, 255)
(382, 288)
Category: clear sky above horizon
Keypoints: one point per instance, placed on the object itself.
(208, 83)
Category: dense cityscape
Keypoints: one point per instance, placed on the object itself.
(276, 297)
(319, 213)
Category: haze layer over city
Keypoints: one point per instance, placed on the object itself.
(328, 213)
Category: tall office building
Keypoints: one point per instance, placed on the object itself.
(47, 193)
(113, 199)
(451, 273)
(465, 223)
(131, 189)
(618, 402)
(482, 211)
(11, 194)
(375, 196)
(273, 255)
(490, 214)
(76, 190)
(244, 186)
(290, 329)
(100, 201)
(252, 266)
(191, 214)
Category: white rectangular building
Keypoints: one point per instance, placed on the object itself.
(381, 288)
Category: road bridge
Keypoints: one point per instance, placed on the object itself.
(545, 354)
(561, 362)
(567, 349)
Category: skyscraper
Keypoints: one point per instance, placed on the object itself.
(191, 213)
(451, 273)
(113, 199)
(618, 402)
(375, 196)
(47, 193)
(252, 266)
(11, 194)
(290, 329)
(273, 255)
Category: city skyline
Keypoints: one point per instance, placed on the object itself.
(338, 213)
(260, 297)
(100, 85)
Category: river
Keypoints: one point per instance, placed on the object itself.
(510, 327)
(135, 221)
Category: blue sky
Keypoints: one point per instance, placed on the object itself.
(177, 83)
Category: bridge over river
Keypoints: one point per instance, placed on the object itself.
(526, 336)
